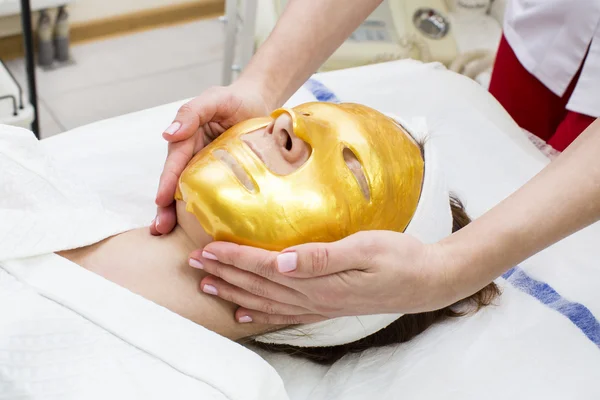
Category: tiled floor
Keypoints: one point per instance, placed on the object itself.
(127, 73)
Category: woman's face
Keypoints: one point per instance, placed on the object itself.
(317, 172)
(282, 152)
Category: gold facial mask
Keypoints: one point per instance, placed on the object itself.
(322, 200)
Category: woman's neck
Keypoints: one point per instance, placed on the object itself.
(156, 267)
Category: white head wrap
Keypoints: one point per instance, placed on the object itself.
(431, 222)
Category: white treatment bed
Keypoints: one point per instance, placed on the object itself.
(542, 338)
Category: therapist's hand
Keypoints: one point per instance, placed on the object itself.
(366, 273)
(197, 123)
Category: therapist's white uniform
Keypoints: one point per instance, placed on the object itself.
(550, 38)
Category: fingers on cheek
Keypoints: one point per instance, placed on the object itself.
(166, 189)
(217, 287)
(166, 220)
(212, 267)
(153, 230)
(168, 182)
(252, 284)
(197, 255)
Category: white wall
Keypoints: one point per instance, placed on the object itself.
(88, 10)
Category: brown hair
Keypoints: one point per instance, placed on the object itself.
(405, 327)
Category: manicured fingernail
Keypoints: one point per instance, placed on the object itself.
(174, 127)
(210, 289)
(245, 319)
(286, 262)
(209, 256)
(195, 263)
(157, 221)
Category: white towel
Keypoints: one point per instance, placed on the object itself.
(40, 212)
(67, 333)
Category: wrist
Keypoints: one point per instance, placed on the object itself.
(266, 88)
(450, 275)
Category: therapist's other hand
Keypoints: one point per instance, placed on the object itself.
(371, 272)
(197, 123)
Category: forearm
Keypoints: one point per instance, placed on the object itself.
(307, 33)
(562, 199)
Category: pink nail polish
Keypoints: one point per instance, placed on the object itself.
(286, 262)
(173, 128)
(245, 319)
(195, 263)
(210, 289)
(157, 221)
(209, 256)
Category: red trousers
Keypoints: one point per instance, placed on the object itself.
(532, 105)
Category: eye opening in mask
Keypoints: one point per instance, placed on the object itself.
(356, 168)
(235, 167)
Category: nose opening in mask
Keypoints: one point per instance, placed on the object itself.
(278, 147)
(239, 172)
(357, 170)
